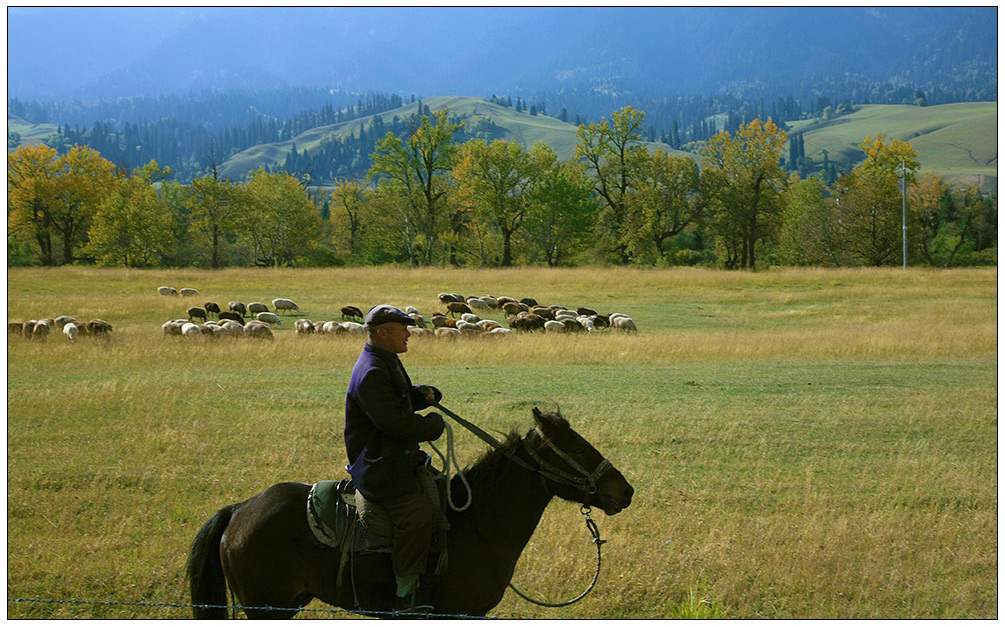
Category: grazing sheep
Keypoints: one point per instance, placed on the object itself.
(411, 310)
(526, 322)
(477, 304)
(489, 325)
(587, 322)
(188, 291)
(232, 327)
(329, 327)
(71, 331)
(601, 321)
(167, 291)
(502, 300)
(258, 330)
(256, 308)
(303, 326)
(233, 316)
(269, 317)
(419, 321)
(470, 317)
(513, 308)
(573, 325)
(530, 302)
(500, 331)
(237, 307)
(213, 308)
(196, 312)
(447, 332)
(554, 326)
(439, 321)
(97, 327)
(457, 307)
(419, 331)
(17, 328)
(624, 323)
(350, 328)
(491, 301)
(545, 312)
(171, 328)
(319, 326)
(351, 313)
(41, 329)
(468, 327)
(447, 298)
(585, 311)
(191, 329)
(62, 320)
(27, 328)
(284, 304)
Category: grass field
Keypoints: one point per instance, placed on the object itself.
(803, 443)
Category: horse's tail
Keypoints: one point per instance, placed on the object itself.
(207, 583)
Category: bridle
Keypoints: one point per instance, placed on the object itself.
(585, 481)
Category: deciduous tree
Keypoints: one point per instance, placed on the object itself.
(749, 184)
(31, 195)
(418, 167)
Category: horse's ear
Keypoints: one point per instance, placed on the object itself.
(545, 422)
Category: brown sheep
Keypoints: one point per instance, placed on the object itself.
(232, 315)
(458, 308)
(351, 313)
(213, 308)
(197, 312)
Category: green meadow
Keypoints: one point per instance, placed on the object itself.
(804, 444)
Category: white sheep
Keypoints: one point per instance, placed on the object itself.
(167, 291)
(269, 317)
(303, 326)
(350, 328)
(234, 328)
(254, 308)
(477, 304)
(259, 330)
(501, 331)
(447, 332)
(71, 331)
(42, 329)
(191, 329)
(62, 320)
(411, 310)
(470, 318)
(170, 328)
(329, 327)
(284, 304)
(625, 324)
(587, 322)
(554, 326)
(468, 327)
(188, 291)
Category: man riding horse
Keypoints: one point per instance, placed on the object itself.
(382, 438)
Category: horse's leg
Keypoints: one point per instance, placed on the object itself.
(263, 553)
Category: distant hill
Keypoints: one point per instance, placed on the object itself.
(957, 141)
(505, 122)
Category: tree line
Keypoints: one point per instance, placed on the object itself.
(429, 198)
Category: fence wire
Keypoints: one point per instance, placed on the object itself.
(319, 610)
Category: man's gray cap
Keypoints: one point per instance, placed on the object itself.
(386, 313)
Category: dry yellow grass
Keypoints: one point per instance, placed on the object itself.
(803, 443)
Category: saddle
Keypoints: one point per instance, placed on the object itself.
(336, 511)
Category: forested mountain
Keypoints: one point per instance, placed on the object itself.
(753, 52)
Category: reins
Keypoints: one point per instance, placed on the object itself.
(587, 483)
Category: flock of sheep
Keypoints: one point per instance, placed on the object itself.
(461, 317)
(70, 327)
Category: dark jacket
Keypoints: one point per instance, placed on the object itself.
(382, 430)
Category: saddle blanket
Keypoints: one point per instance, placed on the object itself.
(334, 511)
(333, 518)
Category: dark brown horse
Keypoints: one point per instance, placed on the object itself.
(264, 549)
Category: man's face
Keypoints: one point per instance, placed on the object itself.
(393, 337)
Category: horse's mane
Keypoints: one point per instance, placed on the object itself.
(486, 470)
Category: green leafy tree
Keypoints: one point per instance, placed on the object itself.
(84, 179)
(809, 231)
(613, 154)
(281, 224)
(214, 213)
(31, 196)
(348, 205)
(748, 184)
(667, 199)
(562, 222)
(133, 227)
(418, 168)
(870, 202)
(498, 181)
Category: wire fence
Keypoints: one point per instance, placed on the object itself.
(319, 610)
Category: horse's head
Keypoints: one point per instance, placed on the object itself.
(573, 469)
